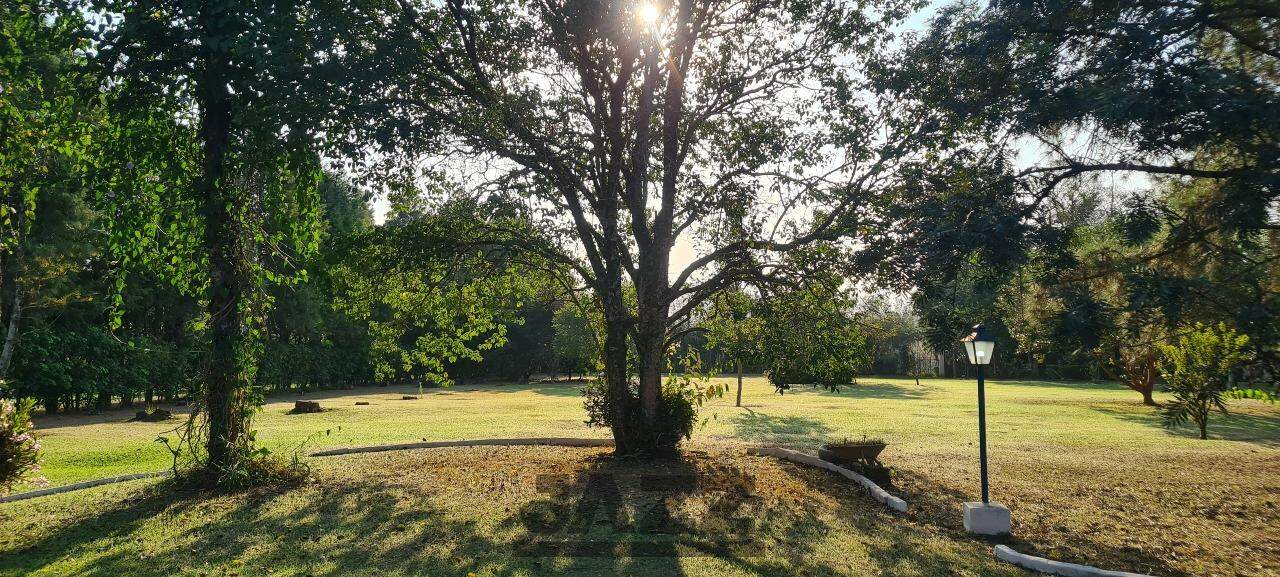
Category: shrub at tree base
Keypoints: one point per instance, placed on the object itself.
(677, 408)
(19, 450)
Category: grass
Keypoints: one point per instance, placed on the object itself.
(522, 513)
(1090, 475)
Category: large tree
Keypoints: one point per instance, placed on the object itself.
(222, 109)
(1158, 95)
(1167, 88)
(43, 115)
(631, 125)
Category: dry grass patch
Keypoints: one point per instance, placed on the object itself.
(494, 511)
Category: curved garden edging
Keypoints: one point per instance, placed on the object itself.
(536, 441)
(877, 492)
(1007, 554)
(82, 485)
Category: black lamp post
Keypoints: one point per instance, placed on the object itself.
(979, 346)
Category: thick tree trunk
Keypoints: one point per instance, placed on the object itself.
(649, 356)
(738, 402)
(1137, 373)
(223, 393)
(651, 350)
(11, 334)
(636, 415)
(618, 387)
(1147, 398)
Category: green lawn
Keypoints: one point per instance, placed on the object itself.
(1089, 473)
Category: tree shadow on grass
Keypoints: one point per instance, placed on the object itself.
(1234, 426)
(602, 516)
(868, 389)
(620, 516)
(901, 545)
(365, 531)
(779, 430)
(557, 388)
(560, 389)
(1079, 385)
(653, 516)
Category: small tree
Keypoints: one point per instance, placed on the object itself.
(575, 344)
(1198, 373)
(434, 289)
(734, 328)
(808, 337)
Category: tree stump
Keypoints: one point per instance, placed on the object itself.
(153, 416)
(306, 407)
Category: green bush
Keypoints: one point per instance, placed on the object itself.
(19, 449)
(677, 410)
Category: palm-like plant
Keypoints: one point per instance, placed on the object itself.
(1197, 371)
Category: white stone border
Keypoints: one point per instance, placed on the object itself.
(877, 493)
(82, 485)
(1007, 554)
(551, 441)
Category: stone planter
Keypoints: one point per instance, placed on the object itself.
(854, 452)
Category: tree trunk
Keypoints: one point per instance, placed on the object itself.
(223, 393)
(618, 387)
(654, 435)
(649, 356)
(11, 335)
(738, 402)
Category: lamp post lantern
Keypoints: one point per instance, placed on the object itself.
(979, 347)
(985, 518)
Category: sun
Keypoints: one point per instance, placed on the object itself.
(648, 14)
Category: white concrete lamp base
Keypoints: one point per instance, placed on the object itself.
(986, 518)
